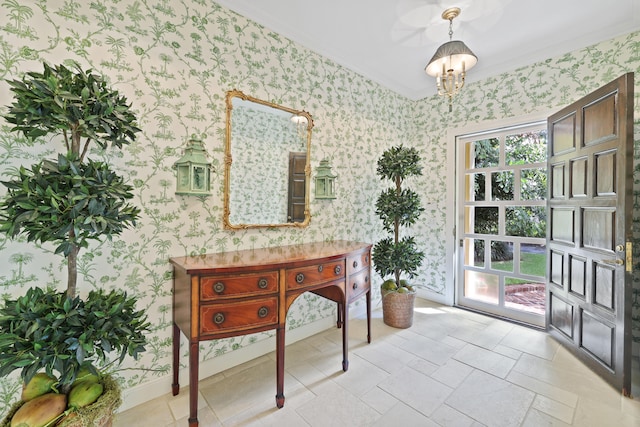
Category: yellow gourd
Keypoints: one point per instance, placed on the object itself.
(40, 384)
(84, 393)
(39, 411)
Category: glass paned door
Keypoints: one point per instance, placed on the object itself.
(502, 222)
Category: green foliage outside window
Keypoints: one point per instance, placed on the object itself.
(522, 221)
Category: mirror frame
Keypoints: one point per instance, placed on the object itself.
(228, 160)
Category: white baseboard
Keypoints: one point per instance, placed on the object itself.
(153, 389)
(433, 296)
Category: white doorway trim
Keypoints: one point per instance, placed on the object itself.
(449, 297)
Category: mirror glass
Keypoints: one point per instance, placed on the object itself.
(267, 169)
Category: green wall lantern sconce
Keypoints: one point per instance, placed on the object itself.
(325, 181)
(193, 170)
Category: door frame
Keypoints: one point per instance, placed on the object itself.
(450, 296)
(500, 308)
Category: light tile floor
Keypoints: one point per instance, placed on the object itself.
(451, 368)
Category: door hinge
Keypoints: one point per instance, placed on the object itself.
(629, 257)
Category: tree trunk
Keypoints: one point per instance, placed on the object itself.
(72, 268)
(396, 231)
(75, 140)
(72, 271)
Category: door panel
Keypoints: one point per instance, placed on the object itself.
(561, 315)
(579, 177)
(562, 225)
(589, 288)
(564, 131)
(557, 181)
(578, 276)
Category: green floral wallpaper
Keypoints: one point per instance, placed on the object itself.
(174, 60)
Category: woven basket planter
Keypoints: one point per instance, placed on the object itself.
(397, 309)
(98, 414)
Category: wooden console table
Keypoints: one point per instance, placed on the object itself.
(234, 293)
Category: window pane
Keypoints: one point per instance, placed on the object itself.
(502, 185)
(526, 221)
(486, 220)
(528, 147)
(474, 252)
(533, 184)
(533, 260)
(468, 219)
(481, 286)
(502, 256)
(487, 153)
(469, 155)
(524, 295)
(476, 190)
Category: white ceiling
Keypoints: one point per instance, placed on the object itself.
(391, 41)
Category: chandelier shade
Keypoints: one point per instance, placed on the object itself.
(452, 56)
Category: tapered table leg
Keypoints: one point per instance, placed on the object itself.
(369, 316)
(345, 336)
(280, 367)
(175, 387)
(194, 359)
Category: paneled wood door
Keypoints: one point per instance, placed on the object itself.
(589, 229)
(297, 187)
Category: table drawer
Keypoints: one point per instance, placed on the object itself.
(238, 285)
(358, 284)
(237, 316)
(315, 274)
(358, 261)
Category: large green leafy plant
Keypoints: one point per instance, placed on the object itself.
(65, 200)
(397, 207)
(44, 330)
(68, 201)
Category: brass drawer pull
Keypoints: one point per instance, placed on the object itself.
(366, 258)
(320, 268)
(355, 285)
(355, 264)
(218, 287)
(366, 279)
(262, 283)
(299, 278)
(218, 318)
(337, 270)
(263, 312)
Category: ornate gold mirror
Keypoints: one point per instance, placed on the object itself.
(267, 167)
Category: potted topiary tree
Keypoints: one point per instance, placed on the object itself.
(58, 340)
(396, 256)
